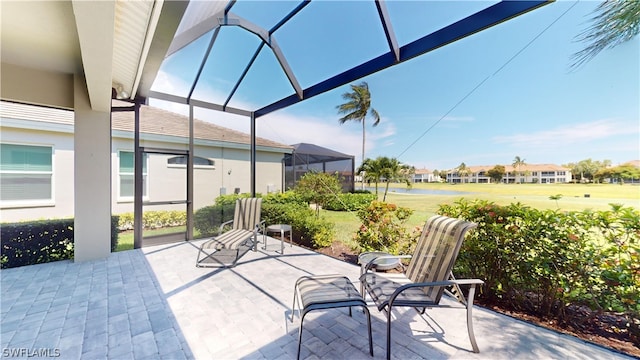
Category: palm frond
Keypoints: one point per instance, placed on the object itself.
(614, 22)
(375, 115)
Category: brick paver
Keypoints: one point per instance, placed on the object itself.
(155, 304)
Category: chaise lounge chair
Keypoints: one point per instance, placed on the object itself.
(246, 225)
(427, 276)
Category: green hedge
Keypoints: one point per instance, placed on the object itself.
(350, 201)
(207, 220)
(307, 228)
(154, 219)
(41, 241)
(277, 208)
(551, 262)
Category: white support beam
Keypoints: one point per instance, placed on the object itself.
(95, 25)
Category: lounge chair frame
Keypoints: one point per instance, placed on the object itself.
(245, 227)
(427, 277)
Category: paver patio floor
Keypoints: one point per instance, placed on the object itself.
(155, 304)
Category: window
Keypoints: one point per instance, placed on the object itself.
(26, 173)
(125, 170)
(181, 161)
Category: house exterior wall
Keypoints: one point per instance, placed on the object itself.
(542, 176)
(165, 182)
(423, 178)
(61, 204)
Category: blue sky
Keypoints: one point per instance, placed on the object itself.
(504, 92)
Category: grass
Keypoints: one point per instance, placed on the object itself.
(533, 195)
(125, 238)
(424, 206)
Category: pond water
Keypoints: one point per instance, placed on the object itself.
(417, 191)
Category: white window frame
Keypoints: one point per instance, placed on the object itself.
(145, 175)
(182, 166)
(7, 204)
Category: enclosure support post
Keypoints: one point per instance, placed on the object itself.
(253, 154)
(190, 178)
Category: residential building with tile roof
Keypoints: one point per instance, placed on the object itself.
(38, 160)
(424, 175)
(529, 173)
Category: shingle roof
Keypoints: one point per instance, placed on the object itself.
(162, 122)
(152, 121)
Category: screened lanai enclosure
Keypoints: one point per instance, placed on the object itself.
(246, 60)
(310, 157)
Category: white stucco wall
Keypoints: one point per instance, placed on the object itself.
(61, 205)
(232, 170)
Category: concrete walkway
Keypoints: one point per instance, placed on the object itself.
(155, 304)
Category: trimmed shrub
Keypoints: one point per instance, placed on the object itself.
(277, 208)
(42, 241)
(115, 220)
(207, 220)
(550, 262)
(350, 201)
(312, 231)
(154, 219)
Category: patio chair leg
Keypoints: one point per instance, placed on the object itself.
(472, 337)
(300, 333)
(293, 308)
(366, 310)
(389, 334)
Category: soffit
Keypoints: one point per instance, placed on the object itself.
(40, 35)
(110, 42)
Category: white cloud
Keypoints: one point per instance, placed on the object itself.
(291, 129)
(569, 134)
(281, 126)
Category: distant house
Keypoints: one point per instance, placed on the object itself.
(425, 175)
(529, 173)
(37, 165)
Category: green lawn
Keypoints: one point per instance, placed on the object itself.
(125, 238)
(533, 195)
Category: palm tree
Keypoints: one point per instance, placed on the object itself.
(517, 163)
(463, 170)
(614, 22)
(393, 171)
(372, 171)
(357, 107)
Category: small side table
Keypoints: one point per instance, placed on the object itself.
(282, 229)
(381, 264)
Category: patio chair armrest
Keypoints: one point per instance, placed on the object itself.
(223, 225)
(472, 282)
(366, 267)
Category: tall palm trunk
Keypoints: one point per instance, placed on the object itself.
(386, 189)
(363, 139)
